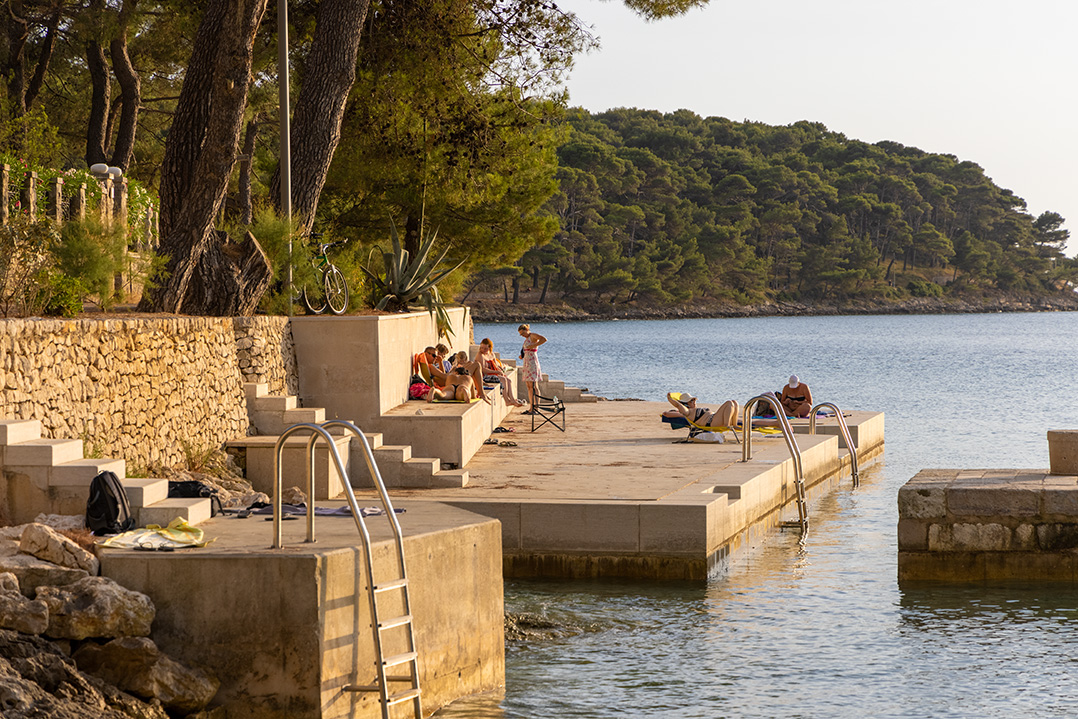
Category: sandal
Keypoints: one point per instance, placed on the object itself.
(491, 441)
(507, 443)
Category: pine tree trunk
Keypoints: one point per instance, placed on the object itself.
(130, 90)
(199, 156)
(44, 58)
(96, 137)
(328, 76)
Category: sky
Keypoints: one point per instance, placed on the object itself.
(987, 81)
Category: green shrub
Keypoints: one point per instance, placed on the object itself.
(91, 254)
(64, 296)
(26, 258)
(924, 288)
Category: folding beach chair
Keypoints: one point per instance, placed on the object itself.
(548, 409)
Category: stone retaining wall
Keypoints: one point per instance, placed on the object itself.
(986, 525)
(144, 390)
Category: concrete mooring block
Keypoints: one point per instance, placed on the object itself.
(1063, 451)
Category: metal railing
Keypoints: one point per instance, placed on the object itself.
(410, 656)
(845, 435)
(791, 444)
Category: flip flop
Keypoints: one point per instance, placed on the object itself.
(507, 443)
(491, 441)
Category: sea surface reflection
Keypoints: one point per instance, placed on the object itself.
(818, 628)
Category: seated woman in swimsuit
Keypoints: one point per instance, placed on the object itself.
(724, 416)
(458, 386)
(796, 398)
(493, 371)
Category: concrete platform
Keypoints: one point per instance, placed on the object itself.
(614, 496)
(286, 630)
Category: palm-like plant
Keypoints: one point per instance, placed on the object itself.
(410, 282)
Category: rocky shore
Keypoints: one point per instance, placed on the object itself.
(74, 644)
(526, 310)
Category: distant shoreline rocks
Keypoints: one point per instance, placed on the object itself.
(488, 310)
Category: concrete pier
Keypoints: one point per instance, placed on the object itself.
(987, 525)
(615, 497)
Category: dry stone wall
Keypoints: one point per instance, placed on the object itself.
(145, 390)
(265, 353)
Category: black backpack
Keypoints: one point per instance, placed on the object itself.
(107, 509)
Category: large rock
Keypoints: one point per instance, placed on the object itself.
(37, 680)
(62, 522)
(96, 607)
(28, 616)
(46, 543)
(33, 572)
(136, 665)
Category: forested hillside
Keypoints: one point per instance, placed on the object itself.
(669, 208)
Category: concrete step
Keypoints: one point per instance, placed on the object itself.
(80, 472)
(449, 478)
(43, 452)
(277, 422)
(272, 403)
(193, 510)
(587, 397)
(417, 472)
(15, 431)
(145, 492)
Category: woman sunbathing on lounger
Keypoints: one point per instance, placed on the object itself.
(724, 416)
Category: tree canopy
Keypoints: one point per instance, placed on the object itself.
(673, 207)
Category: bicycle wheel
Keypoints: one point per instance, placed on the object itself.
(314, 298)
(336, 290)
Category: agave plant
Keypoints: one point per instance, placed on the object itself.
(411, 282)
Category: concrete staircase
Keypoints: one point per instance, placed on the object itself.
(52, 476)
(270, 415)
(547, 388)
(556, 388)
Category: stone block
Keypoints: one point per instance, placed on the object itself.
(912, 535)
(968, 537)
(1060, 501)
(1063, 451)
(1024, 538)
(993, 500)
(941, 567)
(1056, 537)
(922, 502)
(1029, 566)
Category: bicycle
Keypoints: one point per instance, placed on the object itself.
(333, 292)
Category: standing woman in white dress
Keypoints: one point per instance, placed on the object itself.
(532, 373)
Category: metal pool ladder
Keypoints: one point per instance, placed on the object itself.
(393, 585)
(791, 444)
(845, 436)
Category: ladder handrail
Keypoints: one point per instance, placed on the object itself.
(278, 481)
(791, 444)
(321, 432)
(845, 435)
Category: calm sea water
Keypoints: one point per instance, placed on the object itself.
(819, 628)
